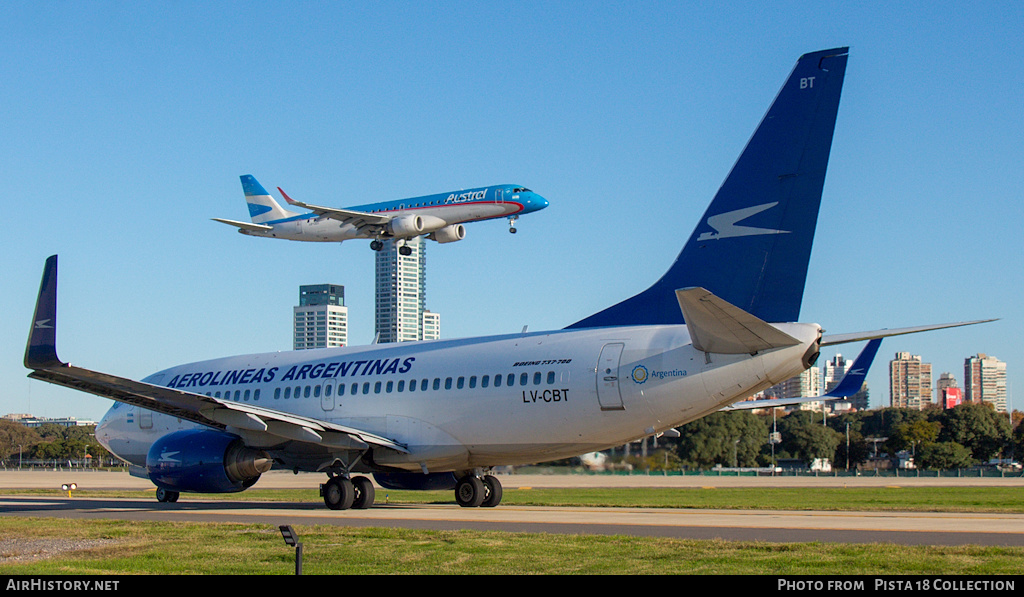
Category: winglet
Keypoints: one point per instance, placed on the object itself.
(41, 351)
(857, 373)
(286, 197)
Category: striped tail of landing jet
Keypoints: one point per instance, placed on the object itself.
(263, 208)
(753, 244)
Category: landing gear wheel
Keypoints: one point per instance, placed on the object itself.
(512, 229)
(376, 245)
(405, 250)
(338, 493)
(492, 486)
(469, 492)
(166, 495)
(364, 493)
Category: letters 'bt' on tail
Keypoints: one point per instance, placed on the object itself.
(752, 246)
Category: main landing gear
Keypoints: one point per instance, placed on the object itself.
(377, 245)
(472, 491)
(341, 493)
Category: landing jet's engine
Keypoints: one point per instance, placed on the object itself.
(205, 461)
(450, 234)
(405, 226)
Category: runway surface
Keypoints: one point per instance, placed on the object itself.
(909, 528)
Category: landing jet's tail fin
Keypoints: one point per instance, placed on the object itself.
(263, 208)
(752, 245)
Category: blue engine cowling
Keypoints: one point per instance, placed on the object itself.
(204, 461)
(418, 481)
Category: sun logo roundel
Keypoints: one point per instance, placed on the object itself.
(639, 374)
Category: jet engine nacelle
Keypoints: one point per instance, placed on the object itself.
(417, 481)
(450, 234)
(406, 226)
(204, 461)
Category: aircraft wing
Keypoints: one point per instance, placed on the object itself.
(245, 225)
(345, 216)
(848, 386)
(244, 419)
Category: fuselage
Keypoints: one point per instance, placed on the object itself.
(481, 402)
(442, 209)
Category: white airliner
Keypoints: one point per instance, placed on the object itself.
(717, 328)
(439, 217)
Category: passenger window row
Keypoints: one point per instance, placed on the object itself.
(391, 386)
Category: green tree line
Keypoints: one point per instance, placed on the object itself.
(49, 442)
(964, 436)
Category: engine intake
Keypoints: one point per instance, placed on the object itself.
(205, 461)
(405, 226)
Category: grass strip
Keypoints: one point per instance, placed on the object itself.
(172, 548)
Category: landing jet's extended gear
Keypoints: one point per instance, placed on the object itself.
(405, 250)
(512, 224)
(376, 244)
(341, 493)
(472, 491)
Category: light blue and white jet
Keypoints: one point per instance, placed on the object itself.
(717, 328)
(440, 217)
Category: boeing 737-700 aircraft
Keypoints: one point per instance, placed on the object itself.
(440, 217)
(717, 328)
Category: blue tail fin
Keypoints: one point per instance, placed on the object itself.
(263, 209)
(753, 244)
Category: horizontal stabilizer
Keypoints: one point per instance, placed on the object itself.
(848, 386)
(719, 327)
(831, 339)
(245, 225)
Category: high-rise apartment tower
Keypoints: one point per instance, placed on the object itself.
(321, 318)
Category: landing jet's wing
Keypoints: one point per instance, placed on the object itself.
(360, 219)
(848, 386)
(258, 425)
(245, 225)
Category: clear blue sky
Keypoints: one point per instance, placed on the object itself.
(126, 126)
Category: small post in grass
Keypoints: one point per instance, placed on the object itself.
(292, 540)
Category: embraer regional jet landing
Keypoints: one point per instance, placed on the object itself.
(714, 330)
(439, 217)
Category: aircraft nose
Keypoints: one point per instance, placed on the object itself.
(103, 429)
(539, 202)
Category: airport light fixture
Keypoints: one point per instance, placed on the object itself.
(291, 538)
(68, 487)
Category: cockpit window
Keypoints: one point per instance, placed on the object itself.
(522, 190)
